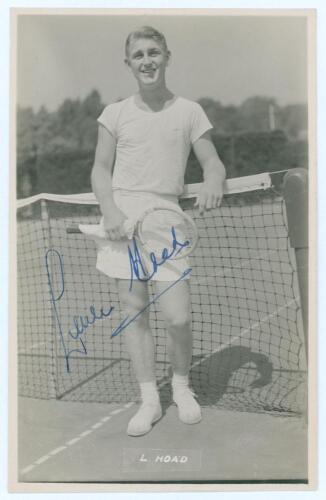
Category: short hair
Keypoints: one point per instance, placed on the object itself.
(146, 32)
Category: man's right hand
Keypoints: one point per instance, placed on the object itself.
(113, 225)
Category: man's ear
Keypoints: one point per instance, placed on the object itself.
(127, 63)
(168, 58)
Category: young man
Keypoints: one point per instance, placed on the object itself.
(143, 145)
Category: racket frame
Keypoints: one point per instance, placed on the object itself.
(185, 251)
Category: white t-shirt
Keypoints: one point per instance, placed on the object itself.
(153, 147)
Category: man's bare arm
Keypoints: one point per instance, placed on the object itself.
(211, 192)
(101, 178)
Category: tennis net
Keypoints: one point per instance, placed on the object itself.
(248, 350)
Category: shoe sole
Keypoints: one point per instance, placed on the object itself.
(190, 423)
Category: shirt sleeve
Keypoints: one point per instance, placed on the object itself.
(199, 123)
(109, 118)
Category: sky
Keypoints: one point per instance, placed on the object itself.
(226, 58)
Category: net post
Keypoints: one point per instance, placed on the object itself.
(45, 217)
(296, 200)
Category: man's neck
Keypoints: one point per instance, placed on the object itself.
(155, 99)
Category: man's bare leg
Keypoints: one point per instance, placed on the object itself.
(141, 348)
(175, 305)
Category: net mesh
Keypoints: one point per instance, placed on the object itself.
(248, 348)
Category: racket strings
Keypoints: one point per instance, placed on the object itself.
(167, 229)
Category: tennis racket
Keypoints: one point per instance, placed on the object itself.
(156, 229)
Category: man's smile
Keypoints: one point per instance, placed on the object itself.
(148, 71)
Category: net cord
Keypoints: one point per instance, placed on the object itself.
(232, 186)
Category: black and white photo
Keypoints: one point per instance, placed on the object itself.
(164, 243)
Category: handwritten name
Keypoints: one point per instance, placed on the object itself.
(138, 268)
(53, 259)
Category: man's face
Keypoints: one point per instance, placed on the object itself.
(147, 60)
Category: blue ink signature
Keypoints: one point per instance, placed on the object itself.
(137, 266)
(126, 322)
(81, 323)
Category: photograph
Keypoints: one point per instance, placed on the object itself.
(163, 249)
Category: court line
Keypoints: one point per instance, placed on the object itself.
(246, 330)
(42, 459)
(95, 426)
(57, 450)
(75, 440)
(229, 269)
(128, 405)
(242, 333)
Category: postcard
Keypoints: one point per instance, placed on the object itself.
(163, 263)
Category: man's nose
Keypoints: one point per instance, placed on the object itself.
(146, 60)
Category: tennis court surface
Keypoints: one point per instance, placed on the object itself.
(77, 389)
(87, 442)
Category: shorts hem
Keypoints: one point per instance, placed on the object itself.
(156, 277)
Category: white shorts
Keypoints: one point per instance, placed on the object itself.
(113, 257)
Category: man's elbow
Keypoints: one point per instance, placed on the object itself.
(98, 168)
(94, 173)
(97, 173)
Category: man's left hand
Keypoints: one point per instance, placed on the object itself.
(210, 195)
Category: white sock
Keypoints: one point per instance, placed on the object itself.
(149, 392)
(180, 380)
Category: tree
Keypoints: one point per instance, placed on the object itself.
(255, 113)
(294, 119)
(25, 131)
(92, 105)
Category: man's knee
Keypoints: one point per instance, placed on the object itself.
(135, 307)
(178, 321)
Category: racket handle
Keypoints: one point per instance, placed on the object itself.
(128, 225)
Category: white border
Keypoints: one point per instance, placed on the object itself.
(4, 91)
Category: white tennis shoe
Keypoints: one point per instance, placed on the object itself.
(142, 422)
(188, 409)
